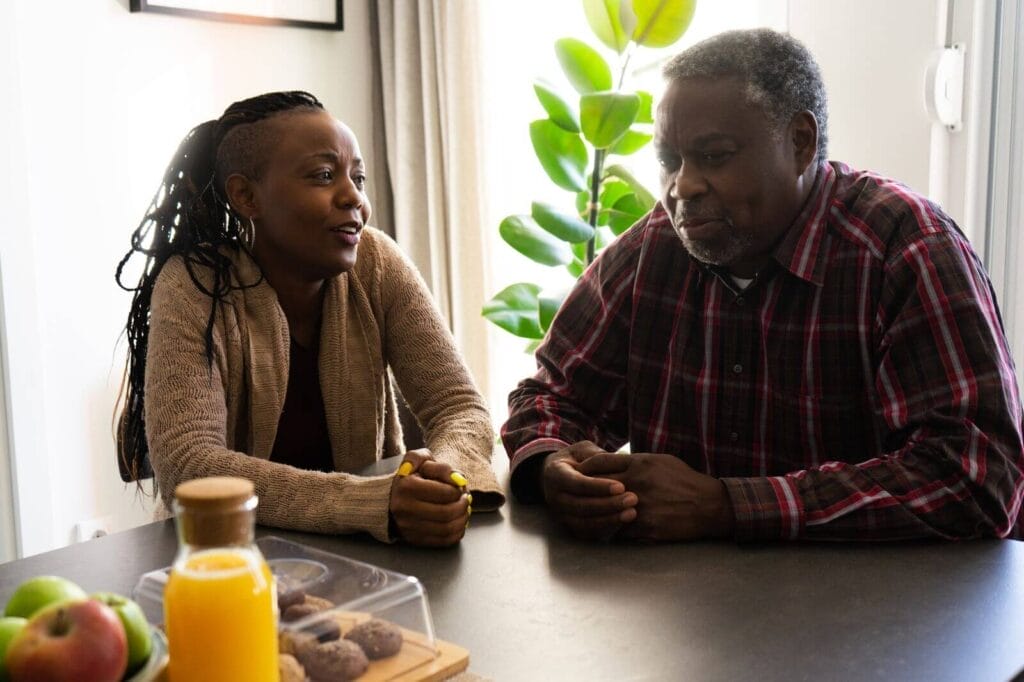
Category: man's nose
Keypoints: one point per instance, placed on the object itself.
(688, 183)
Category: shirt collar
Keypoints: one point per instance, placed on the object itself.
(800, 251)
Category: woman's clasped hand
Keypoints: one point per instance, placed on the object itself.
(430, 503)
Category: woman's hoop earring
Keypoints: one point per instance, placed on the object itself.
(249, 236)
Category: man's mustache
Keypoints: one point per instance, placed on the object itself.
(696, 214)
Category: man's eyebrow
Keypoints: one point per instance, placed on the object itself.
(702, 140)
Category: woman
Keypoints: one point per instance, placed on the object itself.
(264, 327)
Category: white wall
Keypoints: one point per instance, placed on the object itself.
(96, 100)
(873, 56)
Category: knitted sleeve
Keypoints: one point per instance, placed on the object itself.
(186, 426)
(432, 375)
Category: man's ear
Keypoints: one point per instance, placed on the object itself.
(241, 195)
(803, 134)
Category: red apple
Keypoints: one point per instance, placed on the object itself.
(70, 642)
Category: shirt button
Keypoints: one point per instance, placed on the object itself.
(734, 436)
(740, 301)
(737, 369)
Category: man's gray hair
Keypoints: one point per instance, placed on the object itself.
(780, 74)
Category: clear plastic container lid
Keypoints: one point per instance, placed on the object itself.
(344, 592)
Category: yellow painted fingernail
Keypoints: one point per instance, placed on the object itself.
(469, 498)
(469, 511)
(405, 469)
(458, 479)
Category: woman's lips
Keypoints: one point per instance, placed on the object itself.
(347, 234)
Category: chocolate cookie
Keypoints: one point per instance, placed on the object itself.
(325, 630)
(337, 660)
(309, 605)
(289, 642)
(289, 597)
(290, 669)
(320, 603)
(377, 638)
(297, 611)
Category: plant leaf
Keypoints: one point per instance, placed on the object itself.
(585, 68)
(612, 191)
(548, 304)
(523, 235)
(624, 214)
(606, 116)
(631, 142)
(620, 221)
(630, 204)
(645, 115)
(561, 111)
(516, 310)
(576, 267)
(582, 201)
(532, 346)
(580, 251)
(604, 17)
(565, 226)
(659, 23)
(645, 198)
(562, 154)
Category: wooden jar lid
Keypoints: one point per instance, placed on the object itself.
(214, 493)
(216, 511)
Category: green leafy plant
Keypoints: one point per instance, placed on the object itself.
(574, 144)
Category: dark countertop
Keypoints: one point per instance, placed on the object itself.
(533, 604)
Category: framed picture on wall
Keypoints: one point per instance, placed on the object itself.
(325, 14)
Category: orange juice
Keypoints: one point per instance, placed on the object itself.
(220, 609)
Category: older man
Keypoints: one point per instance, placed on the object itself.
(791, 348)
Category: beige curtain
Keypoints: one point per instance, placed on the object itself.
(430, 92)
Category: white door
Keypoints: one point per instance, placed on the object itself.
(8, 541)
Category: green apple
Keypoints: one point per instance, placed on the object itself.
(43, 590)
(9, 627)
(136, 627)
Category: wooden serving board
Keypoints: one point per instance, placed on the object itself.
(416, 661)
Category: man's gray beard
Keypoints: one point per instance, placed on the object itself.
(736, 245)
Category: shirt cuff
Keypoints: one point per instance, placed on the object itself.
(534, 447)
(765, 508)
(524, 479)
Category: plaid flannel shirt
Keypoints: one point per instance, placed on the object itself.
(860, 388)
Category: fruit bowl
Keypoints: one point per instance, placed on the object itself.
(157, 662)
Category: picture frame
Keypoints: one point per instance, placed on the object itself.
(320, 14)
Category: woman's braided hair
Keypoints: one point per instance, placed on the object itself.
(190, 217)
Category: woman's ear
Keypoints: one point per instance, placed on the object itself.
(804, 137)
(241, 195)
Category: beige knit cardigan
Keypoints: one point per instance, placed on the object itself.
(222, 420)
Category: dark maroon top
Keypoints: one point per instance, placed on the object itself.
(302, 439)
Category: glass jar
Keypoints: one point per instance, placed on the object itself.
(220, 603)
